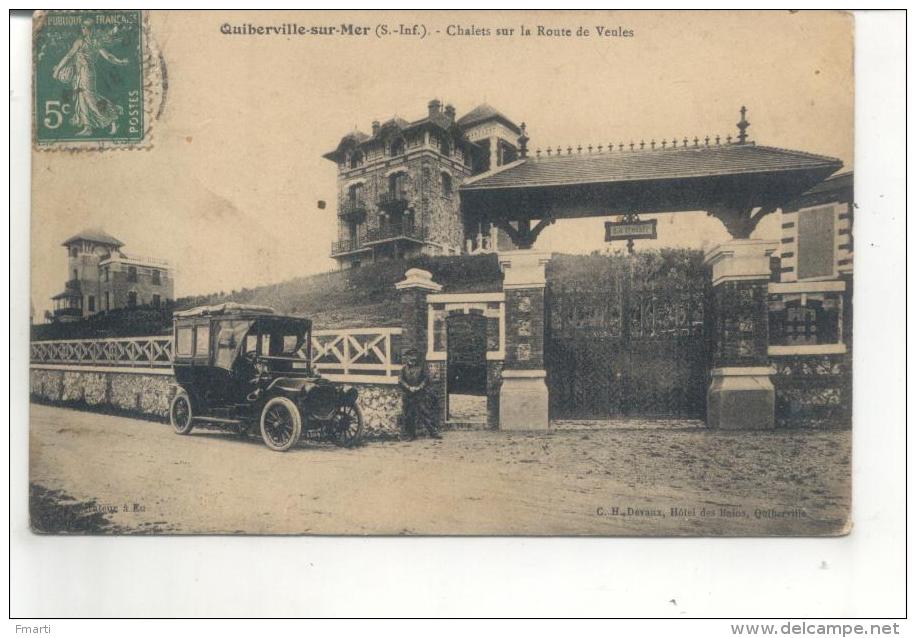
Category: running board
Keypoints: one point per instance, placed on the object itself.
(216, 419)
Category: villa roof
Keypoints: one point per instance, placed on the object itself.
(836, 188)
(730, 176)
(94, 234)
(478, 115)
(484, 113)
(632, 166)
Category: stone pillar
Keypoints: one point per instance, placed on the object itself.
(523, 395)
(741, 394)
(418, 283)
(415, 286)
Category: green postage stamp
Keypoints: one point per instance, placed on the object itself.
(94, 79)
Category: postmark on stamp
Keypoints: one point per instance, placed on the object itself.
(98, 83)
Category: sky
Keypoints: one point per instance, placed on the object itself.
(227, 190)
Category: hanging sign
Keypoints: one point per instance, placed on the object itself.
(638, 229)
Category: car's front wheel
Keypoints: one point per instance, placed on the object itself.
(281, 424)
(348, 424)
(181, 414)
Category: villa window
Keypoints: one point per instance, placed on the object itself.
(446, 185)
(131, 299)
(397, 147)
(355, 193)
(157, 277)
(91, 303)
(132, 273)
(356, 159)
(397, 183)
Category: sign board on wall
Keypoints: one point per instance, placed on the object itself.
(641, 229)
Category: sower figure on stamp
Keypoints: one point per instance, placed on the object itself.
(419, 401)
(78, 70)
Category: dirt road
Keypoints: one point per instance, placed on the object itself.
(141, 477)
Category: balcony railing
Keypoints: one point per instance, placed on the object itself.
(73, 285)
(353, 209)
(344, 246)
(70, 311)
(394, 232)
(395, 200)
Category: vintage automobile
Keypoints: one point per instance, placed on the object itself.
(242, 366)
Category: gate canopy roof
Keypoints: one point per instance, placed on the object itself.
(732, 176)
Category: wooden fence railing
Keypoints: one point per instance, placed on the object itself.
(134, 352)
(360, 355)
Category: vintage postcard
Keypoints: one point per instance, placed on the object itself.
(574, 273)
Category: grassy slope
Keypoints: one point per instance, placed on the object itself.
(366, 297)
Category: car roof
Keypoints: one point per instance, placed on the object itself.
(232, 310)
(224, 309)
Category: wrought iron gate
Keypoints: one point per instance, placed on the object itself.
(629, 340)
(467, 354)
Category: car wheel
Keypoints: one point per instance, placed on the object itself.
(281, 424)
(181, 415)
(348, 424)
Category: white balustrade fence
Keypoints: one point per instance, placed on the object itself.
(359, 355)
(134, 352)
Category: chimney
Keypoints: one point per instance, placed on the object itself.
(375, 127)
(434, 106)
(523, 142)
(450, 112)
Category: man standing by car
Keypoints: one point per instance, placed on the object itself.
(419, 401)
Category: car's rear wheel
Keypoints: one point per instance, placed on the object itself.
(281, 424)
(348, 424)
(181, 415)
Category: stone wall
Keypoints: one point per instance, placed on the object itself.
(140, 393)
(151, 394)
(381, 406)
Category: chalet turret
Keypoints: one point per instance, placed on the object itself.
(495, 133)
(101, 278)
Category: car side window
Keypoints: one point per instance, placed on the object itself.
(202, 346)
(251, 343)
(183, 340)
(228, 341)
(265, 345)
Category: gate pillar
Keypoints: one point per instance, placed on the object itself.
(413, 289)
(741, 394)
(523, 398)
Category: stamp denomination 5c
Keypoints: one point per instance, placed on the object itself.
(92, 72)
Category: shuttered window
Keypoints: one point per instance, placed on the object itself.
(816, 242)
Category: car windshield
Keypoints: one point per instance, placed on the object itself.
(284, 339)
